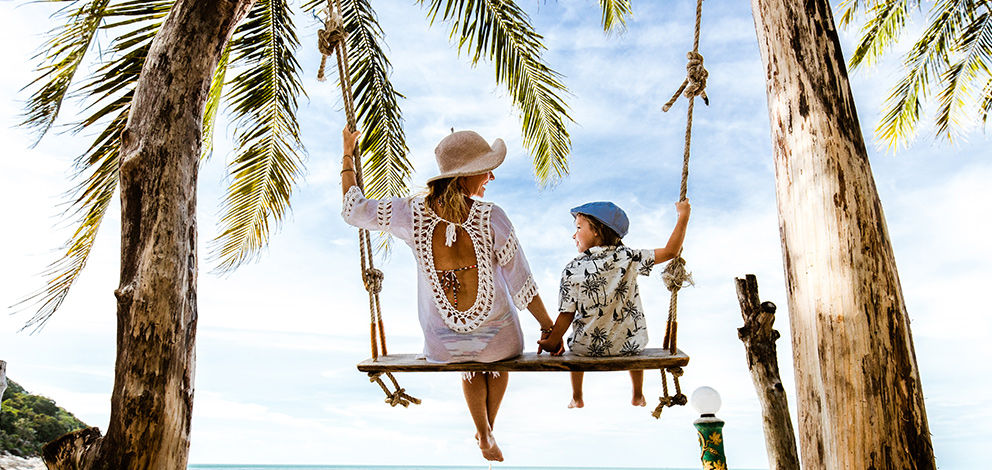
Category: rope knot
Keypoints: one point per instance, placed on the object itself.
(694, 83)
(696, 75)
(662, 403)
(328, 39)
(397, 398)
(373, 280)
(675, 276)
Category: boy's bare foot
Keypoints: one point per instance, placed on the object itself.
(638, 400)
(576, 403)
(490, 451)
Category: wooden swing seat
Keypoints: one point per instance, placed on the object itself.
(651, 358)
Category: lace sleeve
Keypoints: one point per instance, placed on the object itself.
(509, 256)
(522, 298)
(509, 249)
(393, 215)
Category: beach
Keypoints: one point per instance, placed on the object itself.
(13, 462)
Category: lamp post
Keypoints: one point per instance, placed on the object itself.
(709, 428)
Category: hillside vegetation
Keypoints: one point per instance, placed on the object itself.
(27, 422)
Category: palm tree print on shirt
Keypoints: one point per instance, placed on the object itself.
(592, 285)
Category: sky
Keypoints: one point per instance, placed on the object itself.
(278, 340)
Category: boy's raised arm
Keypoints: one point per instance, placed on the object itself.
(674, 245)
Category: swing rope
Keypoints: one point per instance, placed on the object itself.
(675, 275)
(331, 41)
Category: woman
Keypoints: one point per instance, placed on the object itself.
(471, 271)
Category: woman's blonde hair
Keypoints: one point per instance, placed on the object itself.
(446, 197)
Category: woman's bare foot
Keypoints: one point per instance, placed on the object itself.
(487, 443)
(576, 403)
(638, 400)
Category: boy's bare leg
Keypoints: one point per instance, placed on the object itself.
(637, 383)
(577, 390)
(476, 393)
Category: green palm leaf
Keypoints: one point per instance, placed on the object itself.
(263, 100)
(615, 14)
(61, 56)
(110, 89)
(887, 22)
(385, 166)
(213, 103)
(973, 45)
(952, 55)
(497, 30)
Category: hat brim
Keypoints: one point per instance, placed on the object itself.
(482, 164)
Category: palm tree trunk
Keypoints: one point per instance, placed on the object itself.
(152, 401)
(858, 386)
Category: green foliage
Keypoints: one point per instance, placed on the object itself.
(28, 422)
(258, 82)
(107, 93)
(951, 62)
(502, 33)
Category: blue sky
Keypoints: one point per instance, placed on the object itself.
(278, 340)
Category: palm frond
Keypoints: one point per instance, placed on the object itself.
(884, 27)
(110, 89)
(986, 106)
(974, 46)
(497, 30)
(385, 166)
(92, 197)
(902, 111)
(848, 9)
(268, 161)
(213, 104)
(61, 56)
(615, 14)
(953, 54)
(924, 64)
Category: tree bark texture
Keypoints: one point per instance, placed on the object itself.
(762, 360)
(152, 400)
(3, 378)
(858, 386)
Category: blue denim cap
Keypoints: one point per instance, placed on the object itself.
(606, 212)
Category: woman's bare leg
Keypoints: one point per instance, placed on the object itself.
(496, 388)
(477, 394)
(577, 390)
(637, 383)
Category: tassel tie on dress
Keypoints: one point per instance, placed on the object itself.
(450, 233)
(449, 281)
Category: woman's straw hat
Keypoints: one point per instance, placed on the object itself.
(466, 153)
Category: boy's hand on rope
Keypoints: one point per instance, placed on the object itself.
(683, 208)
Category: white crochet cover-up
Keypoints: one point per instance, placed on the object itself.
(487, 331)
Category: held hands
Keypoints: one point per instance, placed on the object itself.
(553, 345)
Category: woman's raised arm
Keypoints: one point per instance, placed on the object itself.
(348, 176)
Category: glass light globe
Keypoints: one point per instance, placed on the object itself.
(706, 400)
